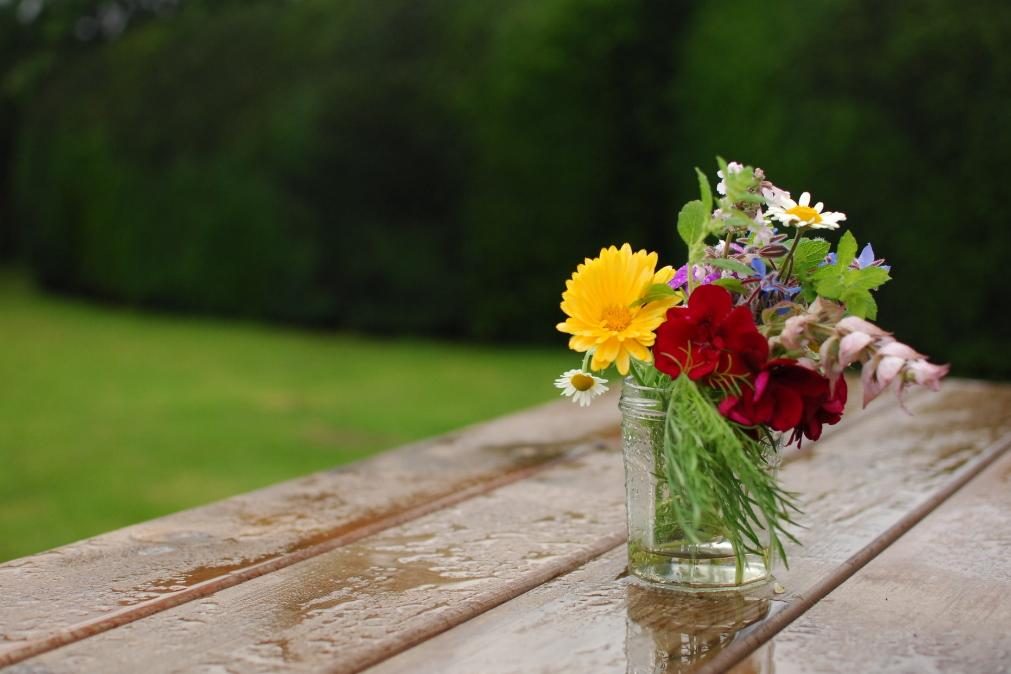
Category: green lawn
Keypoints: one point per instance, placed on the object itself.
(109, 416)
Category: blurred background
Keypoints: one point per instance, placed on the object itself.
(244, 240)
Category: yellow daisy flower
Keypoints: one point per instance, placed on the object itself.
(600, 302)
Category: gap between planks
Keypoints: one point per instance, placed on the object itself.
(934, 601)
(766, 630)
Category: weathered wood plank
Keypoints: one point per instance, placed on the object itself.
(857, 484)
(351, 607)
(81, 589)
(935, 601)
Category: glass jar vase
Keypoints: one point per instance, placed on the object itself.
(659, 551)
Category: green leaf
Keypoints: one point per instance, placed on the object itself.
(869, 278)
(809, 254)
(847, 250)
(829, 282)
(860, 303)
(705, 191)
(731, 284)
(692, 221)
(716, 476)
(657, 291)
(729, 264)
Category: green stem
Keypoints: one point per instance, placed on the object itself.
(788, 262)
(637, 374)
(726, 244)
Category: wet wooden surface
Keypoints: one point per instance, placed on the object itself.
(81, 589)
(856, 484)
(938, 600)
(501, 550)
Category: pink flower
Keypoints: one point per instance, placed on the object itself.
(854, 324)
(857, 338)
(884, 359)
(794, 335)
(926, 374)
(895, 360)
(851, 347)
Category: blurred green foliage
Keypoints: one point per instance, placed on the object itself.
(440, 167)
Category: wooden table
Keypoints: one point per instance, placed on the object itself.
(501, 549)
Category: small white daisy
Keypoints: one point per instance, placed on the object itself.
(801, 213)
(581, 386)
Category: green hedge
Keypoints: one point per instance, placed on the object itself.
(896, 112)
(438, 167)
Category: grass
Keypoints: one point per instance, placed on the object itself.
(110, 416)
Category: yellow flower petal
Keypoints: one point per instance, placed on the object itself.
(600, 302)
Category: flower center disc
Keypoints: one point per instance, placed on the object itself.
(806, 213)
(582, 382)
(616, 318)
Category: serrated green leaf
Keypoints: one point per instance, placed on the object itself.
(731, 284)
(868, 278)
(809, 254)
(860, 303)
(847, 250)
(829, 282)
(730, 264)
(692, 221)
(705, 190)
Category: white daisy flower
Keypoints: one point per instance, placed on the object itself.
(581, 386)
(801, 213)
(732, 167)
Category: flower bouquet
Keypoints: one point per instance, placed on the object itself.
(740, 350)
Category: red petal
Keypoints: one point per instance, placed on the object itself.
(712, 302)
(732, 409)
(789, 409)
(761, 383)
(701, 366)
(813, 429)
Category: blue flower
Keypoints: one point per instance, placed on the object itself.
(867, 259)
(769, 282)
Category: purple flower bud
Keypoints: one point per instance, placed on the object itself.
(773, 250)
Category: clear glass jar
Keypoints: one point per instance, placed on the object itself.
(659, 553)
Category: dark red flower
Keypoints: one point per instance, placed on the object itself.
(709, 338)
(828, 409)
(785, 397)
